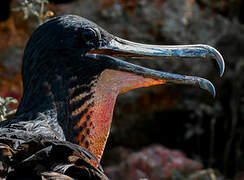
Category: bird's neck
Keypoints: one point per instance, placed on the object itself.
(82, 100)
(92, 111)
(83, 103)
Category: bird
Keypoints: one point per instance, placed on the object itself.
(72, 73)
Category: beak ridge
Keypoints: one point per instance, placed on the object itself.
(118, 47)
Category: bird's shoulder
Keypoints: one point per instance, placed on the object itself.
(46, 159)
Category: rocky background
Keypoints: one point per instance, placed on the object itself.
(150, 124)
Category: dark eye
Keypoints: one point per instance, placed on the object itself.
(89, 35)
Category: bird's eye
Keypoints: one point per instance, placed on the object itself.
(89, 35)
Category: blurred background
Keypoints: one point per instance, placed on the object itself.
(163, 132)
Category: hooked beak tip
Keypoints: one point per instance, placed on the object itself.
(218, 57)
(207, 85)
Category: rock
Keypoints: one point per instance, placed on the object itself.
(154, 162)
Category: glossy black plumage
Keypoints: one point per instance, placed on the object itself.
(37, 158)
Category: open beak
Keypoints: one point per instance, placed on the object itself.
(118, 47)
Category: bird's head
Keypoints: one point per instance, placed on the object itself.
(79, 64)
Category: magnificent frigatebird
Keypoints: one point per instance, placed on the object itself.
(71, 78)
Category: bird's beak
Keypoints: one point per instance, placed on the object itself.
(118, 47)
